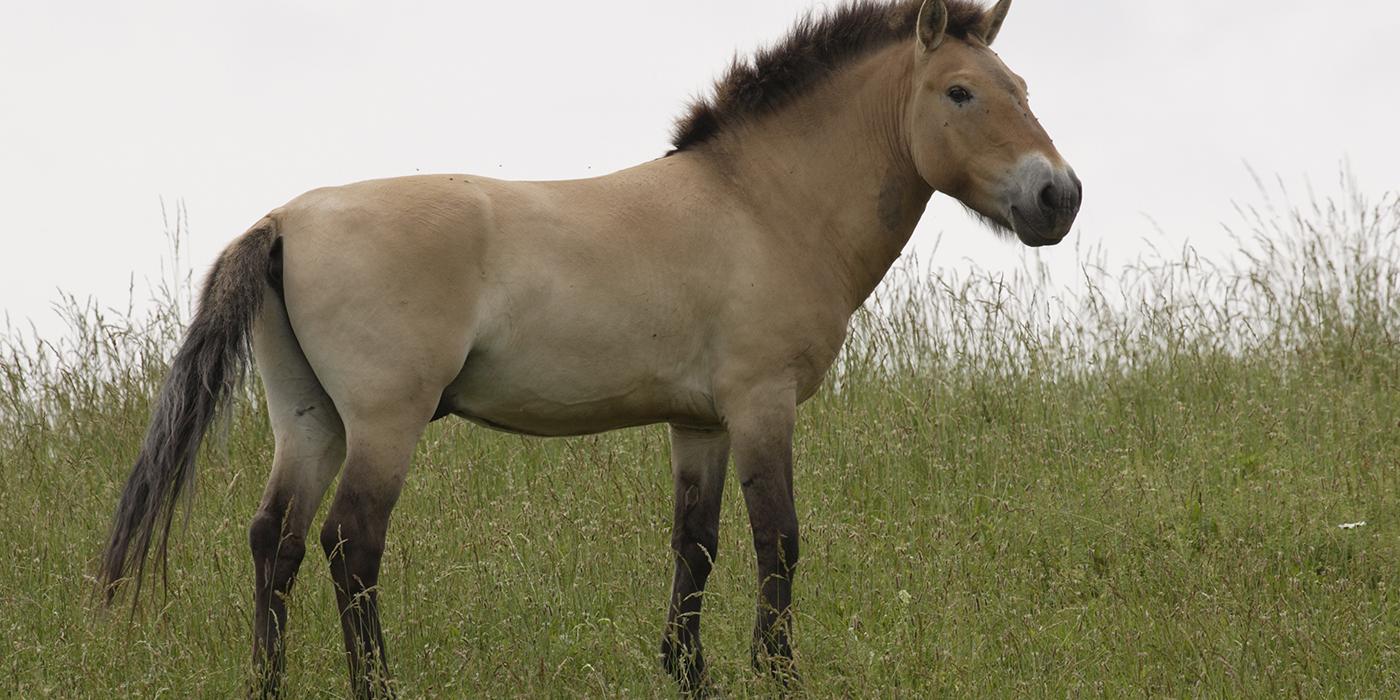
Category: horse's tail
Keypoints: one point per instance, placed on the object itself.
(203, 377)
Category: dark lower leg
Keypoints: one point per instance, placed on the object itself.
(699, 459)
(276, 557)
(777, 549)
(760, 424)
(695, 541)
(776, 546)
(354, 556)
(764, 464)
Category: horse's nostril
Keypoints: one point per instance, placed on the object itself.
(1061, 197)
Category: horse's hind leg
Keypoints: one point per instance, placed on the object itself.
(310, 447)
(698, 463)
(354, 533)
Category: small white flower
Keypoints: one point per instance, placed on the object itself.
(1352, 526)
(904, 597)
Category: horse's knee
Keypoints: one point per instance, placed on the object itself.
(697, 549)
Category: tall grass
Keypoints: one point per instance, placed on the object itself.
(1126, 483)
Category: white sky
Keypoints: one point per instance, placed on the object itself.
(236, 107)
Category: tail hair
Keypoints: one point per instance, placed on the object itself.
(203, 377)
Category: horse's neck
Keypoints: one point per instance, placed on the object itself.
(832, 175)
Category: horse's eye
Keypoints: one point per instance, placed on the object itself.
(959, 94)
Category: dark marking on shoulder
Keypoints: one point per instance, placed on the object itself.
(303, 411)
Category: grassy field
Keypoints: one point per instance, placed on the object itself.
(1005, 490)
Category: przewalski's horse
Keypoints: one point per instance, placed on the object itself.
(710, 290)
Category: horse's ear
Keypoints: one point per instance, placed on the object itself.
(991, 22)
(933, 24)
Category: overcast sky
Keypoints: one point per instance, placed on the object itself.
(236, 107)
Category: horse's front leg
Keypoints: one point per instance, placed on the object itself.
(698, 462)
(761, 434)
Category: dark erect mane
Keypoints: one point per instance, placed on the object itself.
(812, 50)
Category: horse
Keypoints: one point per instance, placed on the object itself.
(710, 289)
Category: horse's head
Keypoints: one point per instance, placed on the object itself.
(972, 133)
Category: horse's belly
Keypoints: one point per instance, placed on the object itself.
(550, 399)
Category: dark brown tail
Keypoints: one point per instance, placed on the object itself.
(202, 378)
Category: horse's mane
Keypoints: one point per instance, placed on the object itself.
(816, 47)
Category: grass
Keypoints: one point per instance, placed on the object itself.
(1133, 489)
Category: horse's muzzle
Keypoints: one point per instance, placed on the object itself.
(1045, 203)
